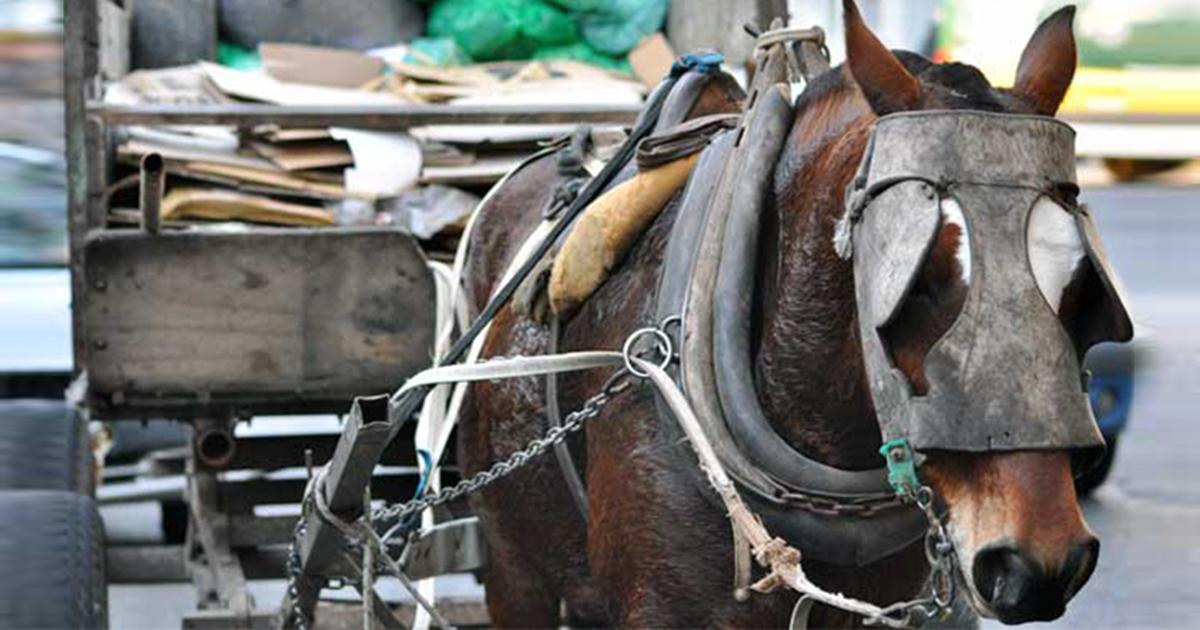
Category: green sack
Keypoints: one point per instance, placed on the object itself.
(437, 51)
(618, 27)
(489, 30)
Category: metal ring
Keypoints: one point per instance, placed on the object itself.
(664, 348)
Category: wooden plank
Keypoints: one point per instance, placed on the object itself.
(299, 314)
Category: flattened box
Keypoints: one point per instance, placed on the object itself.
(256, 321)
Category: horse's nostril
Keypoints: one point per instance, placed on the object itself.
(1079, 566)
(997, 568)
(1015, 587)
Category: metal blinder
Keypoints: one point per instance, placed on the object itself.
(1006, 374)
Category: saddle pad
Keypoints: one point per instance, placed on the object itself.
(607, 229)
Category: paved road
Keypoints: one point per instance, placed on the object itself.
(1148, 516)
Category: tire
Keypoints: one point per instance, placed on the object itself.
(1095, 476)
(44, 445)
(52, 551)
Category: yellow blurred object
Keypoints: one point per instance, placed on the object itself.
(1157, 91)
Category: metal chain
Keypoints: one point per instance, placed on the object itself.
(939, 553)
(572, 422)
(295, 614)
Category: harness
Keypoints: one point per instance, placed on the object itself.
(701, 345)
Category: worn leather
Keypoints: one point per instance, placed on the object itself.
(731, 181)
(1006, 375)
(607, 229)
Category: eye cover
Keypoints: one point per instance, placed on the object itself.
(891, 242)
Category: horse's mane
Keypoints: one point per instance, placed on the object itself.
(964, 85)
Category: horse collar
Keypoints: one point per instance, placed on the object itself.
(839, 516)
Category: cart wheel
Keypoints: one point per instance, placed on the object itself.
(1093, 477)
(44, 445)
(52, 551)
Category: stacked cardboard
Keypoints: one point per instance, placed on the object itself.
(333, 175)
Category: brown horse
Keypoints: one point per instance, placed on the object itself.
(655, 551)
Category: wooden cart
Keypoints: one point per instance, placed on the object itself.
(216, 327)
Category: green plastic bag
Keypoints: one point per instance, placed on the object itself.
(438, 51)
(489, 30)
(614, 27)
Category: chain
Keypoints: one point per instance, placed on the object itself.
(572, 422)
(939, 553)
(826, 506)
(295, 614)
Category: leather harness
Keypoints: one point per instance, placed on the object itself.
(843, 517)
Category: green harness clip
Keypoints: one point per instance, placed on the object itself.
(902, 468)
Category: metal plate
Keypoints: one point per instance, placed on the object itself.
(251, 321)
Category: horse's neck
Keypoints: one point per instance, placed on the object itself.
(809, 367)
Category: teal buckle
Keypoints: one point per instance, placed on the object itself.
(902, 468)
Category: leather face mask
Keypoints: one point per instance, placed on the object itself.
(1006, 375)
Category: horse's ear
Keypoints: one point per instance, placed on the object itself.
(1048, 63)
(885, 82)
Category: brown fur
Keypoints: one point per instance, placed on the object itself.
(656, 551)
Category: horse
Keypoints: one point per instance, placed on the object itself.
(654, 550)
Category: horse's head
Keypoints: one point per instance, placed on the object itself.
(1002, 452)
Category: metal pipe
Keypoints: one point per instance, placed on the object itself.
(215, 447)
(378, 117)
(150, 192)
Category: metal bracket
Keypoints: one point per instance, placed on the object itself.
(902, 468)
(456, 546)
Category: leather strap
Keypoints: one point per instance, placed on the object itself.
(562, 452)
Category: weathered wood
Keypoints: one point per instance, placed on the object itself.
(218, 318)
(80, 37)
(360, 116)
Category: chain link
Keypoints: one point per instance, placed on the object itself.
(572, 422)
(295, 614)
(939, 553)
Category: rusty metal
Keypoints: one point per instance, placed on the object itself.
(214, 446)
(150, 190)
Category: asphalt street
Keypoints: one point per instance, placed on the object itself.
(1147, 516)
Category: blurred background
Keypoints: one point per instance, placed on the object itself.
(1135, 103)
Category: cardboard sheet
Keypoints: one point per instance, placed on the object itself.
(259, 86)
(308, 154)
(331, 67)
(226, 205)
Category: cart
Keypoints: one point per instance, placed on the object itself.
(216, 329)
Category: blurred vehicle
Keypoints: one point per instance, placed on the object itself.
(1111, 392)
(1135, 100)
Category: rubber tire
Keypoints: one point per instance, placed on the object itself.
(44, 445)
(52, 552)
(1095, 476)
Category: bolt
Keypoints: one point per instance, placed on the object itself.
(100, 344)
(100, 285)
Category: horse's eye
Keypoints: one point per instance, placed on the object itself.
(935, 300)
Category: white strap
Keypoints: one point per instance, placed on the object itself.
(783, 561)
(512, 367)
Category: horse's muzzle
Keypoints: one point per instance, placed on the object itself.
(1018, 588)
